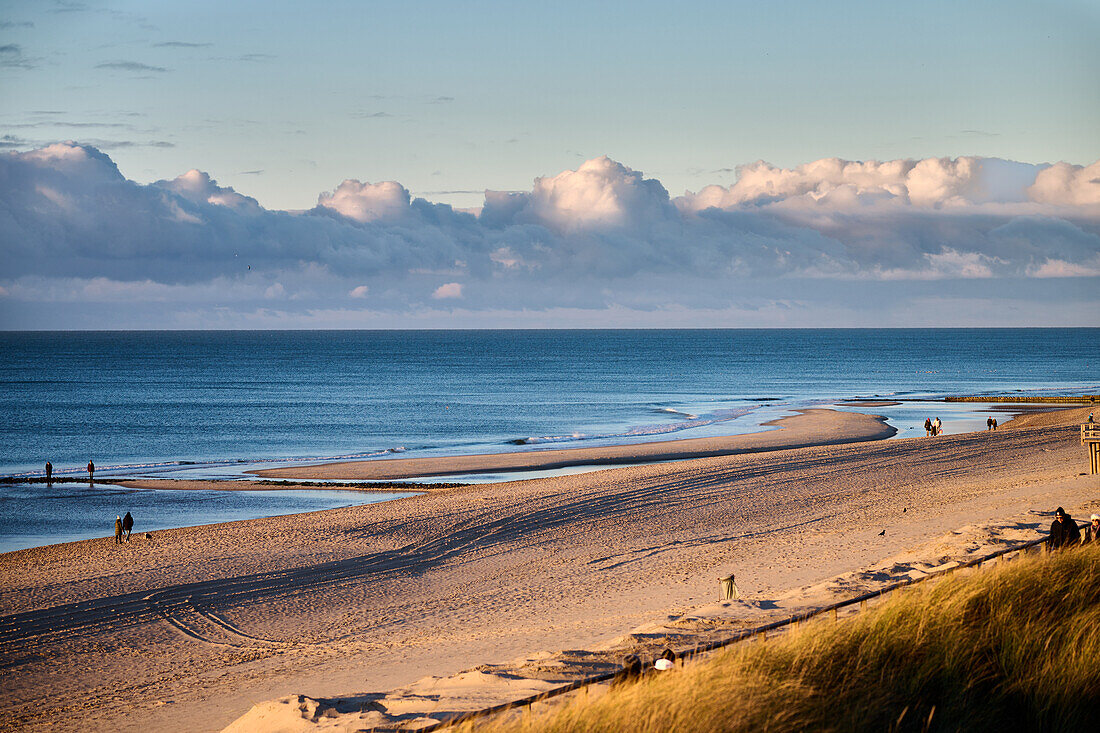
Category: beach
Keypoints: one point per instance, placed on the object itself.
(191, 629)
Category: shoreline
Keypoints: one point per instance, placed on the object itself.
(810, 427)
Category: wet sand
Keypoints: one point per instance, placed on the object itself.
(809, 427)
(190, 630)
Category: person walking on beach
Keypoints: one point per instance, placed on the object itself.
(49, 474)
(91, 472)
(1092, 532)
(936, 426)
(1063, 531)
(994, 424)
(927, 427)
(118, 530)
(128, 525)
(989, 423)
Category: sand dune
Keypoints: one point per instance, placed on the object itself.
(190, 630)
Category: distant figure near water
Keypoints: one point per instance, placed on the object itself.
(936, 427)
(49, 473)
(118, 530)
(128, 525)
(989, 423)
(1063, 531)
(927, 427)
(91, 471)
(994, 424)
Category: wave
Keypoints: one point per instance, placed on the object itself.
(116, 468)
(674, 411)
(695, 421)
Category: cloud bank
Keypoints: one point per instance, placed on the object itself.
(832, 242)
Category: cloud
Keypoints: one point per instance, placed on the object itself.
(928, 183)
(199, 188)
(1067, 185)
(130, 66)
(180, 44)
(831, 236)
(448, 290)
(366, 202)
(5, 24)
(12, 57)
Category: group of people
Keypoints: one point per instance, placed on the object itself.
(123, 524)
(991, 423)
(932, 427)
(1064, 531)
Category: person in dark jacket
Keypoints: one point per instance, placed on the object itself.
(118, 530)
(49, 474)
(1063, 531)
(128, 525)
(91, 472)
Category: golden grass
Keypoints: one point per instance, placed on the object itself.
(1016, 647)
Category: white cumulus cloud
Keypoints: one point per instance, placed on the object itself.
(594, 238)
(448, 290)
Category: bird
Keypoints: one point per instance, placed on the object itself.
(903, 511)
(882, 533)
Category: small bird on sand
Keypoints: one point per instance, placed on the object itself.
(882, 533)
(903, 511)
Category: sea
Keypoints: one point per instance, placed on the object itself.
(213, 404)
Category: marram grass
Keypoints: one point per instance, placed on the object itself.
(1016, 647)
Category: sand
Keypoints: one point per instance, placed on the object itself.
(808, 427)
(190, 630)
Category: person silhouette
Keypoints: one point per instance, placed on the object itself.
(49, 474)
(91, 472)
(128, 525)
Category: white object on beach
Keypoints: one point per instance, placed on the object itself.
(663, 664)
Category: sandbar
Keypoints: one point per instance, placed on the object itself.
(808, 427)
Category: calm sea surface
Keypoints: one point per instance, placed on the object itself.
(138, 398)
(192, 404)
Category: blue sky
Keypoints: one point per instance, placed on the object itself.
(468, 96)
(442, 164)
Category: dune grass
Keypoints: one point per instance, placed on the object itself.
(1015, 647)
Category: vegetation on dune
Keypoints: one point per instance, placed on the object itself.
(1013, 647)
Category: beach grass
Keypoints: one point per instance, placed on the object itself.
(1013, 647)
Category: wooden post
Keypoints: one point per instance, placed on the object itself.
(863, 605)
(1090, 435)
(834, 614)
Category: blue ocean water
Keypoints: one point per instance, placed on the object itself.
(34, 514)
(216, 398)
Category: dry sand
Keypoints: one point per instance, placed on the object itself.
(190, 630)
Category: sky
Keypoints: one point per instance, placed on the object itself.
(492, 164)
